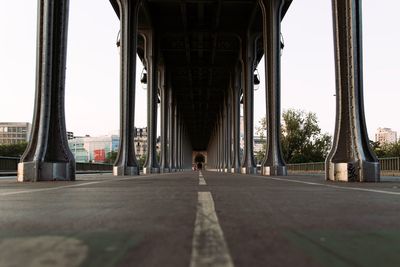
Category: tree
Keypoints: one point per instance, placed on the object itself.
(260, 131)
(301, 137)
(141, 160)
(386, 150)
(13, 150)
(111, 157)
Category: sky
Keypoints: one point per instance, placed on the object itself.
(92, 77)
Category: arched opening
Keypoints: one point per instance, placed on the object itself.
(199, 161)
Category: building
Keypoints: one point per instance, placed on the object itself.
(385, 136)
(14, 132)
(259, 143)
(93, 149)
(140, 142)
(70, 135)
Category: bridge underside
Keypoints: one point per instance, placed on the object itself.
(200, 58)
(199, 43)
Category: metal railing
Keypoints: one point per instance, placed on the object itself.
(386, 164)
(307, 167)
(82, 166)
(9, 164)
(390, 164)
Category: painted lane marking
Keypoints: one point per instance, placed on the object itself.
(72, 186)
(332, 186)
(208, 247)
(202, 181)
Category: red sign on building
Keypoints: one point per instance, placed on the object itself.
(99, 155)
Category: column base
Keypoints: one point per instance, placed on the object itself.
(353, 172)
(165, 170)
(125, 171)
(249, 170)
(46, 171)
(274, 170)
(227, 170)
(147, 170)
(235, 170)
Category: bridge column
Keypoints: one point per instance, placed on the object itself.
(228, 111)
(183, 147)
(177, 147)
(221, 142)
(248, 59)
(48, 156)
(164, 165)
(273, 163)
(351, 158)
(213, 149)
(218, 129)
(175, 137)
(171, 130)
(126, 163)
(151, 164)
(236, 122)
(180, 148)
(224, 135)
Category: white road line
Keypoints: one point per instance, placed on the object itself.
(209, 247)
(202, 181)
(72, 186)
(332, 186)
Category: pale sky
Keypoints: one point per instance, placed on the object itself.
(92, 83)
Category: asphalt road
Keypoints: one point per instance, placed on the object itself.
(194, 219)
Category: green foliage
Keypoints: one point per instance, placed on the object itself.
(141, 161)
(13, 150)
(111, 157)
(260, 131)
(301, 137)
(386, 150)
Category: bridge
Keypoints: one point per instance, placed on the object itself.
(200, 57)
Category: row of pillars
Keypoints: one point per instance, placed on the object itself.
(351, 157)
(48, 156)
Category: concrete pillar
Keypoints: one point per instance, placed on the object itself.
(351, 158)
(236, 121)
(151, 165)
(273, 163)
(249, 61)
(48, 156)
(164, 164)
(126, 163)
